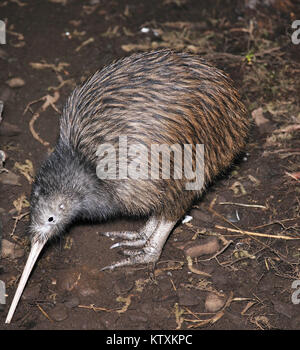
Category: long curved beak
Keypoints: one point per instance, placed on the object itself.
(33, 255)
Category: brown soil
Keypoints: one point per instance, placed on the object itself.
(254, 274)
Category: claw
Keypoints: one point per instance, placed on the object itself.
(110, 267)
(136, 257)
(152, 238)
(115, 245)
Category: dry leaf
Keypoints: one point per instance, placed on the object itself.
(21, 203)
(26, 169)
(127, 302)
(295, 176)
(238, 188)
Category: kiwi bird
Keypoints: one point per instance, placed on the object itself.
(156, 98)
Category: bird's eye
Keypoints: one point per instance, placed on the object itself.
(51, 219)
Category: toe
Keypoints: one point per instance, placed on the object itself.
(124, 234)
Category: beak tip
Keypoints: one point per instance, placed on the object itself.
(33, 255)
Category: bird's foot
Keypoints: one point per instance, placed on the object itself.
(152, 239)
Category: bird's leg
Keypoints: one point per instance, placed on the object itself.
(134, 239)
(152, 248)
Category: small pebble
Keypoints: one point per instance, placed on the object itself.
(15, 82)
(145, 30)
(58, 313)
(72, 302)
(123, 285)
(68, 279)
(214, 302)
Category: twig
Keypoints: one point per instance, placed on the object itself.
(44, 313)
(17, 219)
(95, 308)
(126, 302)
(86, 42)
(30, 104)
(194, 270)
(255, 233)
(279, 222)
(251, 236)
(34, 133)
(245, 205)
(49, 101)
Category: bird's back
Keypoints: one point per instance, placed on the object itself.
(159, 97)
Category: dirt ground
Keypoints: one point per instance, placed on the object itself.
(246, 227)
